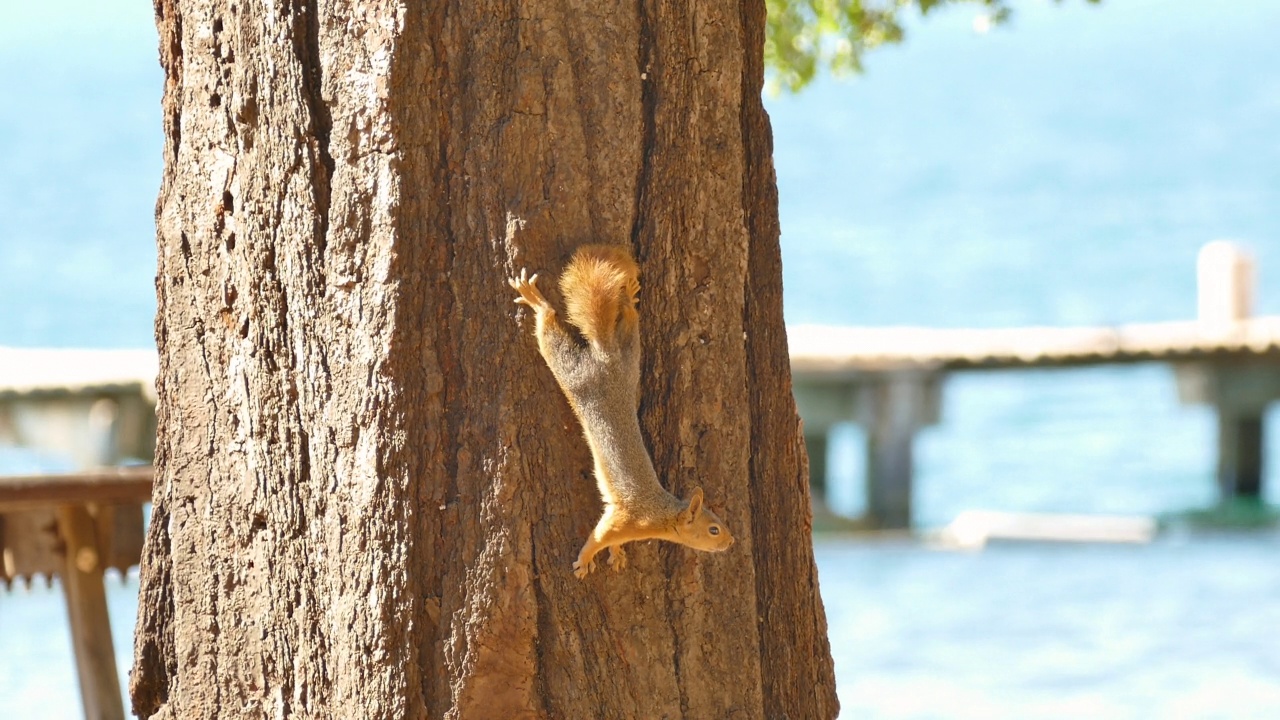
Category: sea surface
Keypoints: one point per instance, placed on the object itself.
(1061, 170)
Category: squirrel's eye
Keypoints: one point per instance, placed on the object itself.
(713, 530)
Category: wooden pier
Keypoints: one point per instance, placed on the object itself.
(889, 380)
(91, 409)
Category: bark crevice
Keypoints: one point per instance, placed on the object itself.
(307, 49)
(646, 51)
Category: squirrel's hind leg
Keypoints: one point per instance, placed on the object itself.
(607, 534)
(617, 558)
(586, 561)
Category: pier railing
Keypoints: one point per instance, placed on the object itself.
(75, 526)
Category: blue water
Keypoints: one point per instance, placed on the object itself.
(1182, 628)
(1062, 170)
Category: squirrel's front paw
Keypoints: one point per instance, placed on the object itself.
(528, 288)
(617, 558)
(580, 569)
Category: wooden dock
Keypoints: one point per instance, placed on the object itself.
(889, 380)
(92, 409)
(823, 352)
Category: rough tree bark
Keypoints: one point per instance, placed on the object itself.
(370, 490)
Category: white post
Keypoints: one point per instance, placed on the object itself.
(1225, 281)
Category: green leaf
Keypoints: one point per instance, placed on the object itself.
(805, 36)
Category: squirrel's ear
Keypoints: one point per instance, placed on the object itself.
(695, 505)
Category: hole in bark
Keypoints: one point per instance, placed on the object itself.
(231, 241)
(228, 202)
(247, 113)
(217, 25)
(215, 100)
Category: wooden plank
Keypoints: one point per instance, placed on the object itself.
(122, 536)
(110, 485)
(845, 352)
(30, 546)
(87, 613)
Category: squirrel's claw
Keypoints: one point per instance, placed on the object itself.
(580, 570)
(617, 558)
(527, 286)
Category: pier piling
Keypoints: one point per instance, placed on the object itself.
(894, 408)
(1238, 391)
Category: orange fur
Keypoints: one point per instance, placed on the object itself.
(599, 288)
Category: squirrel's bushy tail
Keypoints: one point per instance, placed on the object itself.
(597, 287)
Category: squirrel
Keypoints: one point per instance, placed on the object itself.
(600, 376)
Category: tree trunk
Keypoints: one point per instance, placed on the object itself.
(370, 490)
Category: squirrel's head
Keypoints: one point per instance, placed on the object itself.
(699, 528)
